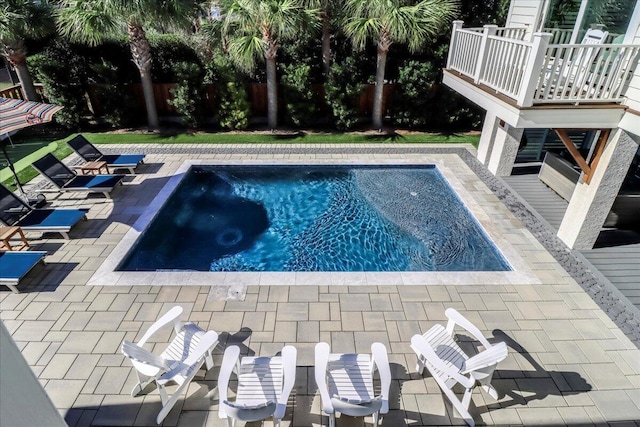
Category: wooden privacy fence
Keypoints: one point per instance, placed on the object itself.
(257, 93)
(15, 92)
(161, 93)
(258, 98)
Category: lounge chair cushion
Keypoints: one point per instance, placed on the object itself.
(117, 160)
(15, 212)
(94, 181)
(52, 218)
(14, 265)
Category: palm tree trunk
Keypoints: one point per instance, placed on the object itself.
(377, 98)
(141, 53)
(28, 89)
(16, 55)
(149, 99)
(326, 43)
(272, 92)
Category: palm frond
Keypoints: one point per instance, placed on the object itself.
(238, 15)
(244, 51)
(403, 21)
(245, 22)
(87, 21)
(165, 14)
(429, 17)
(359, 30)
(25, 19)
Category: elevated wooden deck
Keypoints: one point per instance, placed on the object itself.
(617, 257)
(617, 253)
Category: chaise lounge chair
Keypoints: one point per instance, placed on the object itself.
(15, 265)
(15, 212)
(90, 153)
(67, 180)
(178, 363)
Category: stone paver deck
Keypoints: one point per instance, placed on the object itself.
(569, 363)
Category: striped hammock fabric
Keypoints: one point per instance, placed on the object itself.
(17, 114)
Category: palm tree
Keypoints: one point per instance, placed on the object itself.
(91, 21)
(20, 20)
(394, 21)
(254, 28)
(329, 9)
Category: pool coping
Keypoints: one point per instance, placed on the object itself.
(106, 275)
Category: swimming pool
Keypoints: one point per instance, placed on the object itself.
(313, 218)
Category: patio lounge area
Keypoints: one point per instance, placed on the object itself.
(573, 349)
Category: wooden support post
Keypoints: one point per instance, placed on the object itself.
(562, 134)
(588, 169)
(597, 153)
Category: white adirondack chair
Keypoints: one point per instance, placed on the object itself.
(449, 365)
(179, 362)
(264, 385)
(578, 69)
(594, 36)
(345, 382)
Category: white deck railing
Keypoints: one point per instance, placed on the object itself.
(586, 73)
(563, 36)
(505, 64)
(465, 58)
(537, 72)
(559, 35)
(508, 32)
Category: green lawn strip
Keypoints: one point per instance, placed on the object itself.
(25, 159)
(61, 150)
(256, 138)
(23, 167)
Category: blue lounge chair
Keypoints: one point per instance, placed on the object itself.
(15, 265)
(15, 212)
(66, 180)
(90, 153)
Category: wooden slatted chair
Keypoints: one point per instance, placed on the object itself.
(264, 385)
(346, 382)
(449, 365)
(178, 363)
(577, 70)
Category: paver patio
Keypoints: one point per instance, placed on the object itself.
(569, 364)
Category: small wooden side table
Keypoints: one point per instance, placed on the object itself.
(92, 168)
(6, 233)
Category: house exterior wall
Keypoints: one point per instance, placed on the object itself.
(633, 92)
(524, 13)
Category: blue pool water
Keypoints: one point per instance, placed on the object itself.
(313, 218)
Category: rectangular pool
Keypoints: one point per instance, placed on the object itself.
(313, 218)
